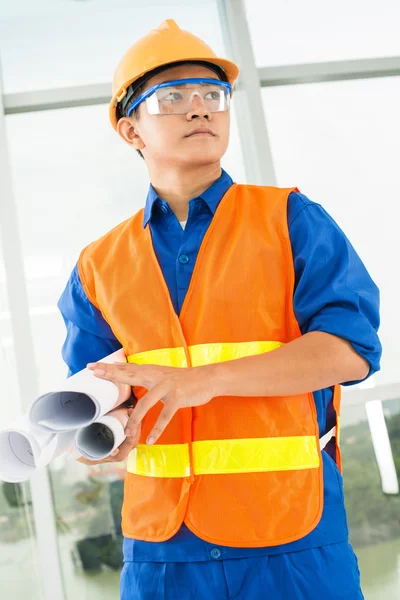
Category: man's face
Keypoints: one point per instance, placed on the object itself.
(169, 139)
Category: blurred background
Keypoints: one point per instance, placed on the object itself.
(316, 106)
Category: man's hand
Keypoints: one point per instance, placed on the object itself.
(121, 453)
(175, 387)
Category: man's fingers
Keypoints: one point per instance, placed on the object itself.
(142, 408)
(124, 392)
(119, 454)
(91, 463)
(127, 445)
(165, 417)
(124, 450)
(121, 373)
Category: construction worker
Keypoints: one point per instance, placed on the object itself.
(240, 309)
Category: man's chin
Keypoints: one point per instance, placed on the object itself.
(199, 158)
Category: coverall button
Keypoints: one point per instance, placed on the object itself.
(183, 259)
(164, 209)
(215, 553)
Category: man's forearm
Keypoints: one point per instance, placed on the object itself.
(312, 362)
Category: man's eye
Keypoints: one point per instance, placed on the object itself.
(213, 95)
(173, 97)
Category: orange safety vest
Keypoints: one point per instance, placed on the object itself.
(239, 471)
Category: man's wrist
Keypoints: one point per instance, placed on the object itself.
(218, 376)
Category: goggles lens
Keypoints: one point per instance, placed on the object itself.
(177, 97)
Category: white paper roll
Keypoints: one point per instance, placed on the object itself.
(60, 444)
(78, 401)
(99, 439)
(25, 448)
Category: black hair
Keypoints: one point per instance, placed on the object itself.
(137, 87)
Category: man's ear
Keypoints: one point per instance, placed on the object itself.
(127, 129)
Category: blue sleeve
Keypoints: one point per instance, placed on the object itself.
(333, 290)
(89, 336)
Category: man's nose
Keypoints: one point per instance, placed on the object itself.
(198, 108)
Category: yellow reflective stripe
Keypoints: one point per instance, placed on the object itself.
(202, 354)
(164, 357)
(255, 455)
(212, 457)
(205, 354)
(169, 460)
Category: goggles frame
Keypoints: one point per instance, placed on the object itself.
(152, 89)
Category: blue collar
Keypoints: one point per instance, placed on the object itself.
(211, 196)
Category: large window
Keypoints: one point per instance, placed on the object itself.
(75, 179)
(292, 32)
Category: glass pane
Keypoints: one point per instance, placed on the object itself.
(88, 505)
(38, 53)
(18, 552)
(339, 142)
(373, 516)
(75, 179)
(292, 32)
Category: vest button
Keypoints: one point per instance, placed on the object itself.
(183, 259)
(215, 553)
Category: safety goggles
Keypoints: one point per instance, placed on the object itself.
(176, 97)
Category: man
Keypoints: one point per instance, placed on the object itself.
(240, 309)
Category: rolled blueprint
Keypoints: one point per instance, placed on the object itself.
(25, 448)
(78, 401)
(103, 436)
(49, 427)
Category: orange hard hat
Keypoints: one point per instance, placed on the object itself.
(162, 46)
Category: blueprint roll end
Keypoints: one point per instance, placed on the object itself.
(18, 456)
(101, 438)
(63, 410)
